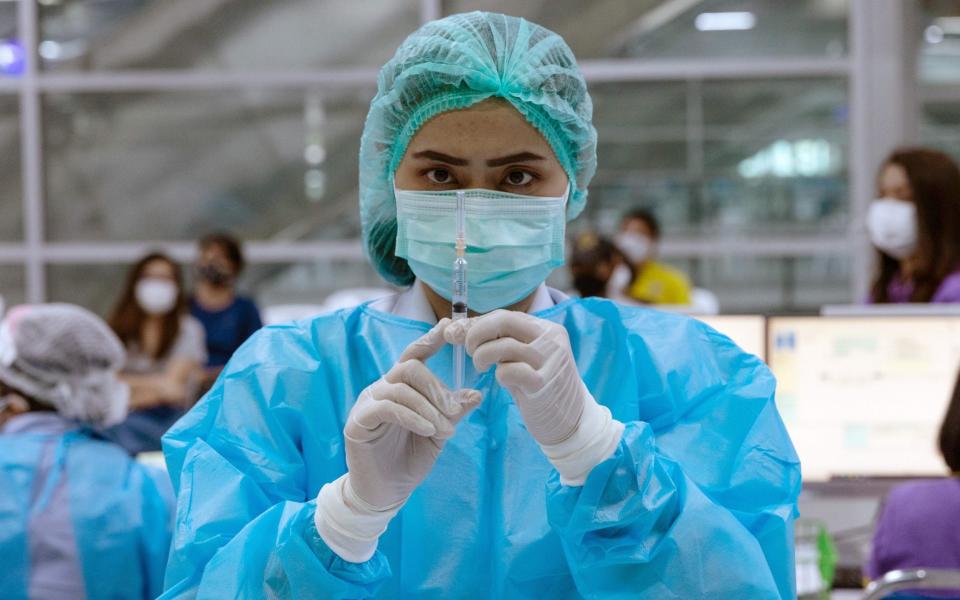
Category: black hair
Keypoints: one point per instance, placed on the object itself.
(950, 432)
(591, 250)
(33, 404)
(642, 214)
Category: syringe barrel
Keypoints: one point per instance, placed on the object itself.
(459, 292)
(458, 297)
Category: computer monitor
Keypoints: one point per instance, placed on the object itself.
(747, 331)
(865, 396)
(890, 310)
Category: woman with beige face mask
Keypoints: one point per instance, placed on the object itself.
(594, 450)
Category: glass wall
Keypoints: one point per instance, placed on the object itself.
(939, 76)
(11, 188)
(654, 29)
(241, 36)
(165, 120)
(244, 160)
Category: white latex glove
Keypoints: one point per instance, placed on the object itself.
(393, 436)
(535, 364)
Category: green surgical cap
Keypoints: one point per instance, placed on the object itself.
(454, 63)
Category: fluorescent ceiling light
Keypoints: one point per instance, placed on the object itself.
(50, 50)
(725, 21)
(933, 34)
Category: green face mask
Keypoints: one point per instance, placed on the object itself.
(513, 242)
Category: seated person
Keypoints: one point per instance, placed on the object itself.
(920, 523)
(78, 517)
(228, 318)
(166, 352)
(600, 269)
(654, 282)
(915, 226)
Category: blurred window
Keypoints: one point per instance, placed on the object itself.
(11, 188)
(138, 147)
(684, 29)
(82, 35)
(265, 164)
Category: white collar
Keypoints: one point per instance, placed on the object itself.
(413, 303)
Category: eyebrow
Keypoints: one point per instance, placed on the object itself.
(441, 157)
(493, 162)
(513, 158)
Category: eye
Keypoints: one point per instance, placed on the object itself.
(519, 178)
(440, 176)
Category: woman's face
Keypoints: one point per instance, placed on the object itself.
(893, 183)
(489, 146)
(157, 288)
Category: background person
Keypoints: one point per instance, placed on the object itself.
(915, 226)
(599, 269)
(654, 282)
(228, 318)
(78, 517)
(165, 352)
(920, 523)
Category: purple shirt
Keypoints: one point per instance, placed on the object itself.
(919, 527)
(899, 290)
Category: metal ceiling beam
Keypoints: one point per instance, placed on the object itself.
(627, 70)
(352, 250)
(256, 252)
(174, 81)
(595, 71)
(939, 92)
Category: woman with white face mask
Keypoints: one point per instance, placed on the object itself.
(165, 352)
(915, 226)
(654, 282)
(594, 450)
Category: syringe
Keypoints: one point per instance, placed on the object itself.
(459, 296)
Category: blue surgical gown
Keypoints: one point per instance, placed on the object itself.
(78, 517)
(698, 500)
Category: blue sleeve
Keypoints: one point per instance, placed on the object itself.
(698, 503)
(158, 509)
(244, 525)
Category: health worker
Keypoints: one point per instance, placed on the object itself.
(597, 451)
(79, 518)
